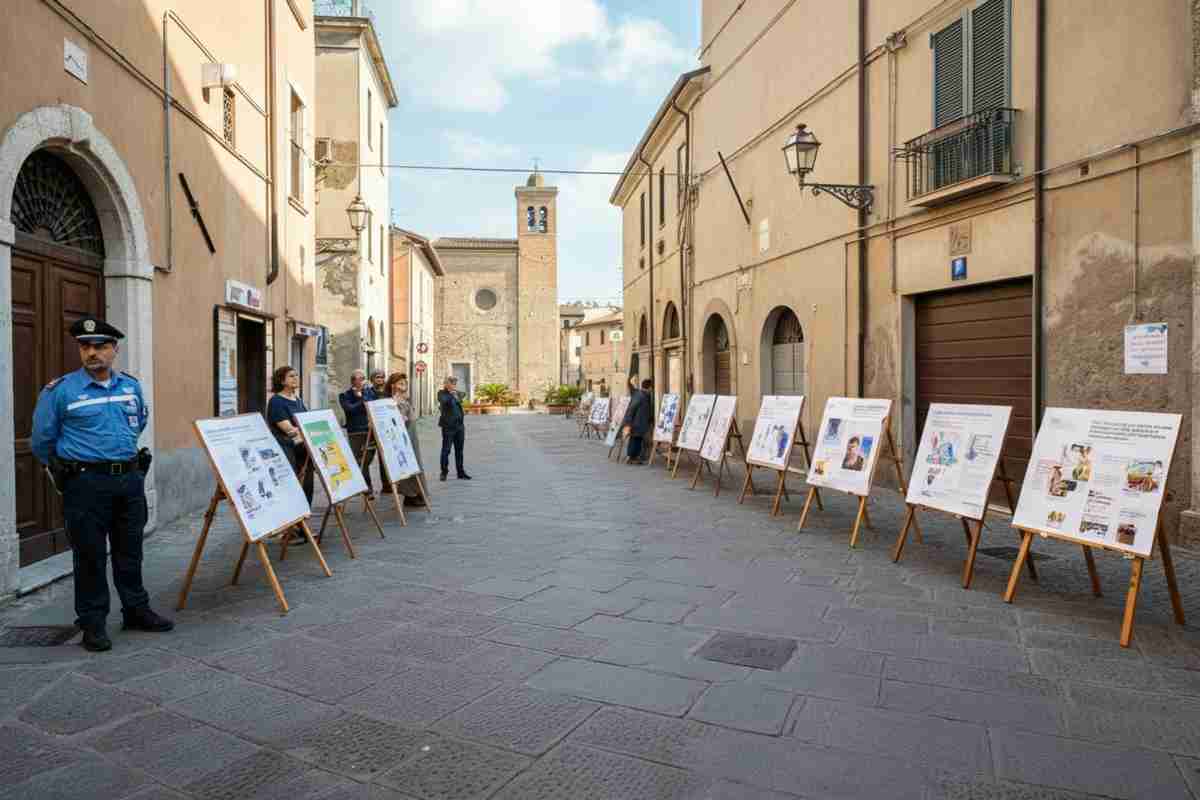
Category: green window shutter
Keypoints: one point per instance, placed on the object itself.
(989, 55)
(948, 89)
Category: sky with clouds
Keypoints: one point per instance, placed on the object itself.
(484, 83)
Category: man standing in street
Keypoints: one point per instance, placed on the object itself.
(639, 419)
(454, 429)
(354, 405)
(85, 429)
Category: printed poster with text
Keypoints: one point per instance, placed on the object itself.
(330, 450)
(618, 415)
(713, 447)
(599, 411)
(771, 445)
(392, 438)
(848, 444)
(254, 471)
(957, 457)
(664, 431)
(1098, 477)
(695, 422)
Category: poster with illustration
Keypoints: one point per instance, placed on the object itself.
(329, 449)
(695, 422)
(771, 445)
(1098, 477)
(599, 415)
(848, 443)
(392, 438)
(713, 446)
(664, 430)
(265, 493)
(957, 457)
(622, 405)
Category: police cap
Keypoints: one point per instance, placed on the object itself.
(94, 329)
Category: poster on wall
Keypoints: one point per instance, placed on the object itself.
(1098, 477)
(329, 449)
(695, 422)
(227, 379)
(778, 417)
(713, 446)
(599, 415)
(255, 473)
(618, 415)
(392, 437)
(1146, 349)
(664, 430)
(957, 457)
(848, 443)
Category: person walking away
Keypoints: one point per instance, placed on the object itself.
(638, 421)
(284, 404)
(354, 405)
(453, 425)
(85, 430)
(410, 487)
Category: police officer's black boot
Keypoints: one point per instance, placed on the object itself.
(95, 639)
(143, 619)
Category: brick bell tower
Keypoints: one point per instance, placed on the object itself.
(537, 288)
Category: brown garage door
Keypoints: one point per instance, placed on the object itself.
(976, 346)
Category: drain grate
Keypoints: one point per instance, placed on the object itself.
(1010, 553)
(760, 652)
(37, 636)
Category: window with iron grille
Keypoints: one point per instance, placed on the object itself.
(971, 64)
(229, 117)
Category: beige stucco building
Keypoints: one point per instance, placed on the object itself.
(190, 230)
(602, 355)
(416, 269)
(1015, 135)
(354, 92)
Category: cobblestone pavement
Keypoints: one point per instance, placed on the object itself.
(536, 636)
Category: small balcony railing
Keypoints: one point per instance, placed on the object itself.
(343, 8)
(975, 146)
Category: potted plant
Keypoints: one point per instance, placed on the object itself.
(562, 399)
(490, 398)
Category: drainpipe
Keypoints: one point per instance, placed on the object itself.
(1039, 136)
(684, 301)
(862, 180)
(648, 221)
(272, 186)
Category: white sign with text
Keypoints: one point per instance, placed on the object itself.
(957, 457)
(848, 443)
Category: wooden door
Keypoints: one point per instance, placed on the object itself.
(723, 370)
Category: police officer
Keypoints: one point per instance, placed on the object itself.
(86, 429)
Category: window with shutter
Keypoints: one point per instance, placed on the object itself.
(971, 62)
(948, 74)
(989, 55)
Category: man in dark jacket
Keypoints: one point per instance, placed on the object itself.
(454, 429)
(354, 405)
(639, 420)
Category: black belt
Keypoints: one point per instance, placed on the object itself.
(106, 467)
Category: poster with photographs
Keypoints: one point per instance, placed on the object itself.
(848, 443)
(713, 446)
(771, 445)
(695, 422)
(264, 491)
(618, 415)
(392, 438)
(1098, 477)
(599, 414)
(668, 412)
(329, 449)
(957, 457)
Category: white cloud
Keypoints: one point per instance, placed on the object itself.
(473, 149)
(638, 50)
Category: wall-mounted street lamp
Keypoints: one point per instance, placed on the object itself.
(800, 152)
(357, 212)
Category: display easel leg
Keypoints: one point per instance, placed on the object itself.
(341, 521)
(748, 484)
(399, 506)
(966, 530)
(1015, 576)
(858, 520)
(675, 466)
(371, 510)
(424, 494)
(972, 547)
(325, 518)
(284, 541)
(779, 492)
(191, 572)
(316, 549)
(237, 570)
(807, 505)
(867, 516)
(720, 472)
(1135, 583)
(1169, 572)
(903, 537)
(699, 469)
(266, 562)
(1091, 567)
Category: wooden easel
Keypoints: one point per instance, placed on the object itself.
(732, 433)
(337, 509)
(892, 455)
(260, 547)
(781, 492)
(666, 448)
(972, 536)
(373, 442)
(616, 445)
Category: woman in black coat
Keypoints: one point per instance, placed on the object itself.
(639, 420)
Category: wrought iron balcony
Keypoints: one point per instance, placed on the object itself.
(970, 154)
(343, 8)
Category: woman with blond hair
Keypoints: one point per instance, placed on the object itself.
(397, 389)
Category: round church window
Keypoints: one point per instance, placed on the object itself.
(485, 299)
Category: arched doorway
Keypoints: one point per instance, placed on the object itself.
(718, 356)
(643, 332)
(784, 370)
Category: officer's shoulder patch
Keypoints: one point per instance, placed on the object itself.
(51, 384)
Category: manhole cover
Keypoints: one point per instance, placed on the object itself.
(1010, 553)
(760, 652)
(37, 636)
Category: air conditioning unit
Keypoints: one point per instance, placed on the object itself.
(323, 150)
(214, 75)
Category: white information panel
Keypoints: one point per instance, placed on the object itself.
(664, 431)
(771, 445)
(713, 447)
(848, 443)
(1097, 477)
(957, 457)
(392, 438)
(255, 473)
(618, 416)
(329, 449)
(695, 421)
(599, 414)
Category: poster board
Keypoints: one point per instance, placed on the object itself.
(392, 438)
(775, 431)
(695, 422)
(618, 416)
(848, 444)
(329, 450)
(226, 362)
(256, 475)
(713, 446)
(599, 415)
(957, 457)
(1098, 477)
(664, 429)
